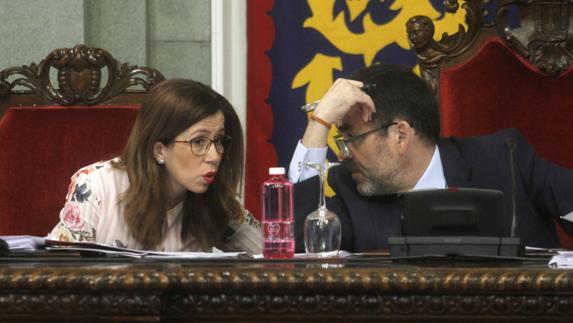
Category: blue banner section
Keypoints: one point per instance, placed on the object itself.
(318, 41)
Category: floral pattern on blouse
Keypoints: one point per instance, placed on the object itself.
(75, 222)
(92, 213)
(248, 219)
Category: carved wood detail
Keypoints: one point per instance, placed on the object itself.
(543, 37)
(431, 53)
(320, 304)
(413, 280)
(174, 291)
(79, 76)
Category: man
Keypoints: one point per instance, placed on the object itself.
(390, 144)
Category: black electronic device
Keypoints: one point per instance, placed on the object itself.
(461, 221)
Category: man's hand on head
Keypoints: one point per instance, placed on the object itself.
(342, 96)
(335, 105)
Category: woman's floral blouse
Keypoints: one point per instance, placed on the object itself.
(93, 213)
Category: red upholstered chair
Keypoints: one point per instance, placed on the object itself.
(48, 132)
(511, 67)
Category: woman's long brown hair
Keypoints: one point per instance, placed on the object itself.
(170, 108)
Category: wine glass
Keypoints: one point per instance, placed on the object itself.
(322, 229)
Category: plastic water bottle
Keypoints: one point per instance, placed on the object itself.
(277, 215)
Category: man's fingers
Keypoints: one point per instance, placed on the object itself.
(342, 96)
(367, 107)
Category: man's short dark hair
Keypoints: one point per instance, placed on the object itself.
(399, 93)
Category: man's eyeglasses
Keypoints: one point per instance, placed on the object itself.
(201, 145)
(342, 143)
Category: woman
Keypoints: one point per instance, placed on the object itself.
(174, 187)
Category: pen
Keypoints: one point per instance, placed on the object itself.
(326, 162)
(309, 107)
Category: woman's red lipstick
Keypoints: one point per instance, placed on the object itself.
(209, 178)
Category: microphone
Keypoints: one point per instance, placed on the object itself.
(511, 146)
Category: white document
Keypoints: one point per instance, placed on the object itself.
(25, 243)
(22, 243)
(336, 254)
(562, 260)
(196, 255)
(53, 245)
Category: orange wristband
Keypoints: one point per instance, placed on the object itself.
(319, 120)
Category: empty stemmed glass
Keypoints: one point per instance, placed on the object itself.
(322, 229)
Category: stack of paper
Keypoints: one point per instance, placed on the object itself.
(23, 244)
(20, 243)
(563, 259)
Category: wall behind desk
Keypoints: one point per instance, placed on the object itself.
(173, 36)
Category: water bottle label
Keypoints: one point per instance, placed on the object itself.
(278, 239)
(273, 229)
(280, 230)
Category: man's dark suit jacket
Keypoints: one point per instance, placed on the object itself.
(544, 191)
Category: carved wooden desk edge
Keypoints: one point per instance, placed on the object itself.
(174, 291)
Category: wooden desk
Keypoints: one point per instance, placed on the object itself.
(92, 289)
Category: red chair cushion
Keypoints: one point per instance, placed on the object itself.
(498, 89)
(41, 148)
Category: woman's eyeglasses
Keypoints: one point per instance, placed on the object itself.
(201, 145)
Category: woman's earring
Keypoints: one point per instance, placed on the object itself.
(161, 161)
